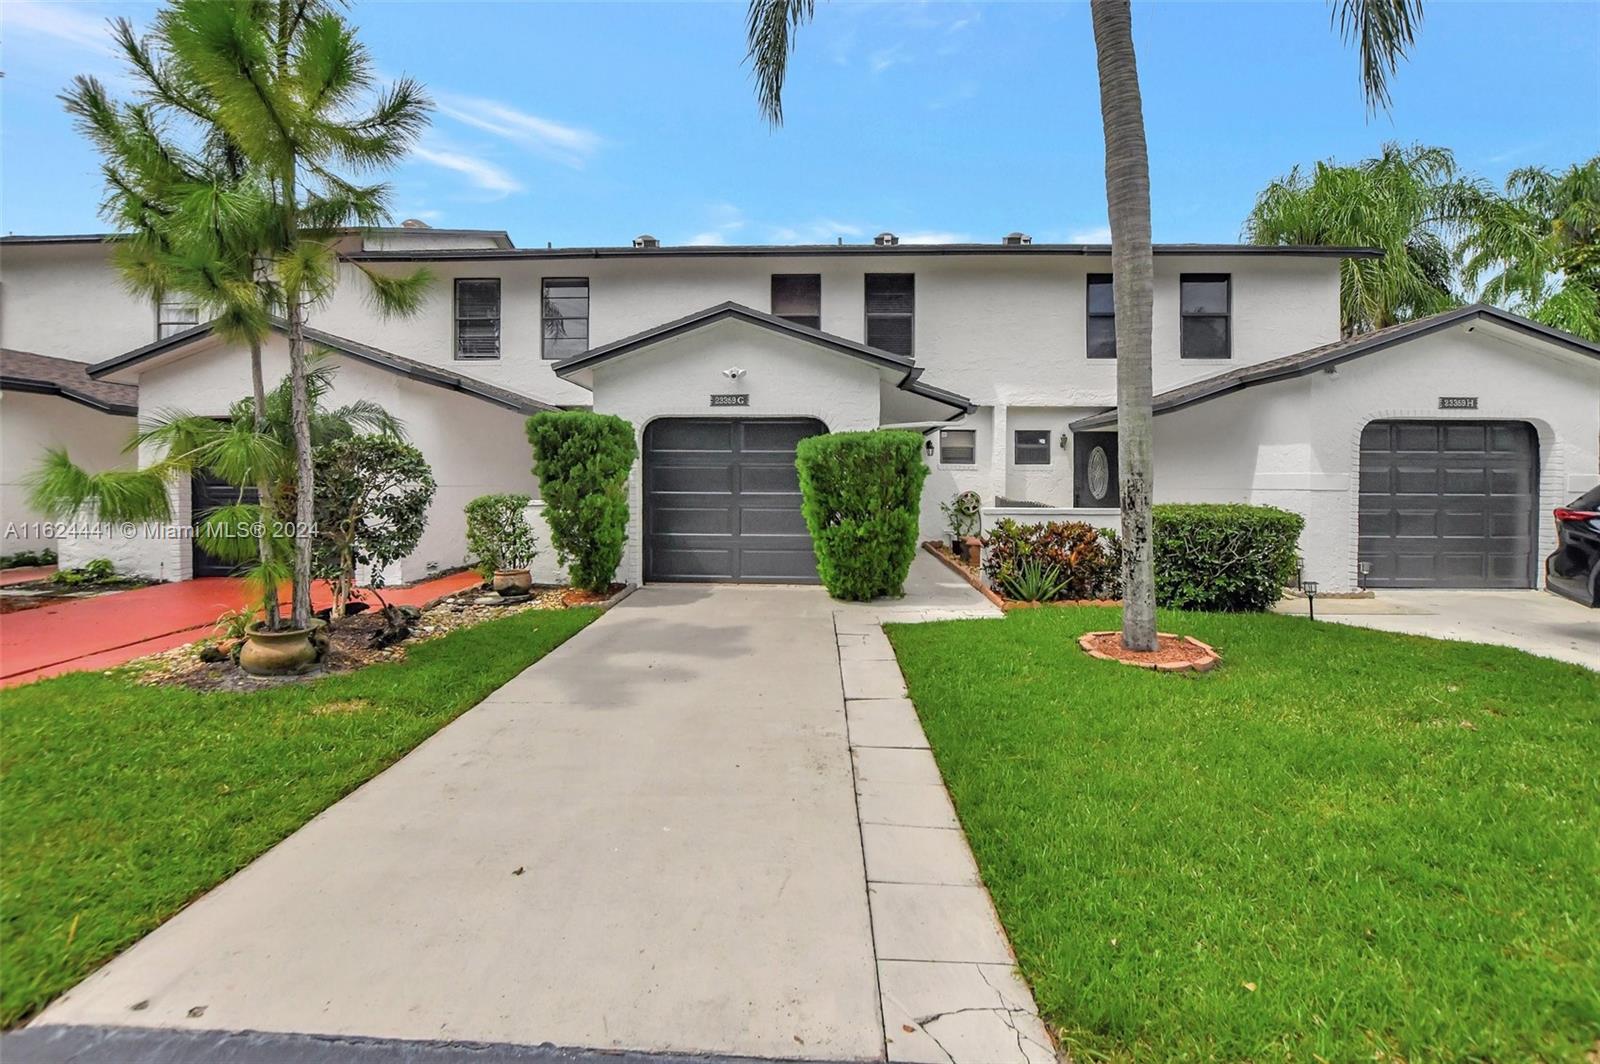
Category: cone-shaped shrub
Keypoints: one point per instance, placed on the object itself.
(582, 462)
(863, 495)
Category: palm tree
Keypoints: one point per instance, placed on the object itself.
(253, 446)
(1535, 248)
(1410, 202)
(279, 91)
(1382, 30)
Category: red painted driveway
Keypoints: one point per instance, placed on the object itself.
(97, 633)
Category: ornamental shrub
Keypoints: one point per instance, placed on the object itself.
(499, 534)
(862, 496)
(1223, 557)
(582, 461)
(1086, 562)
(371, 506)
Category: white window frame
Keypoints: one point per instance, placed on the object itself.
(1049, 457)
(161, 316)
(940, 459)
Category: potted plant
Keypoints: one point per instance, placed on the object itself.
(499, 534)
(964, 512)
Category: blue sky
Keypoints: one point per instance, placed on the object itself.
(590, 123)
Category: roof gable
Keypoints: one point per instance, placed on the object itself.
(1312, 359)
(373, 356)
(24, 371)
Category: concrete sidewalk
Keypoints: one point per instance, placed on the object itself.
(1535, 621)
(646, 841)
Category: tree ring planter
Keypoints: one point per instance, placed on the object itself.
(513, 581)
(1173, 653)
(277, 653)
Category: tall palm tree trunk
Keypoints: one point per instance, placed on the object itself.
(1133, 282)
(258, 386)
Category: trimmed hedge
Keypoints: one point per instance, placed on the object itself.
(862, 503)
(582, 461)
(1223, 557)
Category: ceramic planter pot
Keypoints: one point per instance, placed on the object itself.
(276, 653)
(513, 581)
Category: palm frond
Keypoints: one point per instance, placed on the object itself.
(769, 31)
(62, 489)
(1383, 32)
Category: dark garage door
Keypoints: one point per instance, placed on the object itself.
(206, 494)
(1448, 503)
(722, 501)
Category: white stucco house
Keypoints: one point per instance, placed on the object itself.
(1430, 454)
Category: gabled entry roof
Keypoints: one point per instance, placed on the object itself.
(578, 368)
(1301, 363)
(372, 356)
(24, 371)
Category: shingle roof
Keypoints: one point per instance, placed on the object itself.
(1314, 358)
(25, 371)
(406, 367)
(909, 381)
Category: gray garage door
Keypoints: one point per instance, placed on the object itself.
(1448, 503)
(722, 501)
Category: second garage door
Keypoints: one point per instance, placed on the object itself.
(722, 501)
(1448, 503)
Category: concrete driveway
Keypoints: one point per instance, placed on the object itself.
(647, 841)
(1535, 621)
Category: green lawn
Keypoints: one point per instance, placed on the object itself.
(1340, 845)
(121, 803)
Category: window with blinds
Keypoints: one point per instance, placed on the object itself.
(1205, 309)
(565, 317)
(891, 312)
(478, 317)
(173, 316)
(797, 297)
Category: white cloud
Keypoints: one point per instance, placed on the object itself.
(1100, 234)
(884, 58)
(59, 22)
(935, 236)
(481, 172)
(708, 238)
(821, 231)
(567, 144)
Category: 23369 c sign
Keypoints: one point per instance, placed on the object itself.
(731, 399)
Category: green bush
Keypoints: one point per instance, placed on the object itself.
(862, 499)
(1086, 563)
(498, 533)
(26, 558)
(98, 571)
(582, 461)
(1223, 557)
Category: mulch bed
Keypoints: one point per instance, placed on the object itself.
(350, 640)
(1173, 653)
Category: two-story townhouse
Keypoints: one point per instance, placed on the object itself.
(1426, 455)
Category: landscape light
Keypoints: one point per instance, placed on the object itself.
(1310, 588)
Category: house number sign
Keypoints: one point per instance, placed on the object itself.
(1458, 402)
(730, 399)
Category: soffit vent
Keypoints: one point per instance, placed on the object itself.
(1016, 239)
(886, 240)
(645, 240)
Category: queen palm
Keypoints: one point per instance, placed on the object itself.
(1410, 202)
(1382, 31)
(231, 173)
(1536, 247)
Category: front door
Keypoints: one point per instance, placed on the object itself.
(206, 494)
(1094, 470)
(722, 501)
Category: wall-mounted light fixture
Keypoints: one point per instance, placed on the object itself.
(1065, 440)
(927, 446)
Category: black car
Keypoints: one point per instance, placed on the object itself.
(1574, 569)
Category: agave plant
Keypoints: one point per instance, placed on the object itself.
(1034, 581)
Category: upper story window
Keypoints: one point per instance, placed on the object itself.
(891, 311)
(1102, 317)
(175, 315)
(1030, 447)
(958, 447)
(1205, 302)
(797, 297)
(477, 317)
(565, 316)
